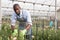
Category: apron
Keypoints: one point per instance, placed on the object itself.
(23, 23)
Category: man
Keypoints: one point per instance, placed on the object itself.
(51, 22)
(24, 19)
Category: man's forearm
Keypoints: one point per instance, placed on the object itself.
(28, 27)
(12, 27)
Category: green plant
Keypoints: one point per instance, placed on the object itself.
(5, 32)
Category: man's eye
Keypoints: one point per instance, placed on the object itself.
(17, 9)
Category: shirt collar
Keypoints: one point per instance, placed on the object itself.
(20, 12)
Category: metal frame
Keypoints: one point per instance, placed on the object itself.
(55, 14)
(0, 15)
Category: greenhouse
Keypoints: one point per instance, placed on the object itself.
(45, 19)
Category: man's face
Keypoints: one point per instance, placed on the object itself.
(17, 10)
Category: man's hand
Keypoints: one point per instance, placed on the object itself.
(28, 27)
(15, 32)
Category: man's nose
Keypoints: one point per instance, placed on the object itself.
(17, 10)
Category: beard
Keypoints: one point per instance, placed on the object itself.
(18, 14)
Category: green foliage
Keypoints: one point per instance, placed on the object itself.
(46, 34)
(5, 32)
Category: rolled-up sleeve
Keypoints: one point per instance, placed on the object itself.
(29, 20)
(13, 20)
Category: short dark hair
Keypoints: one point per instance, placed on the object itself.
(15, 6)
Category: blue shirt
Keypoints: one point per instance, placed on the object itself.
(51, 23)
(23, 17)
